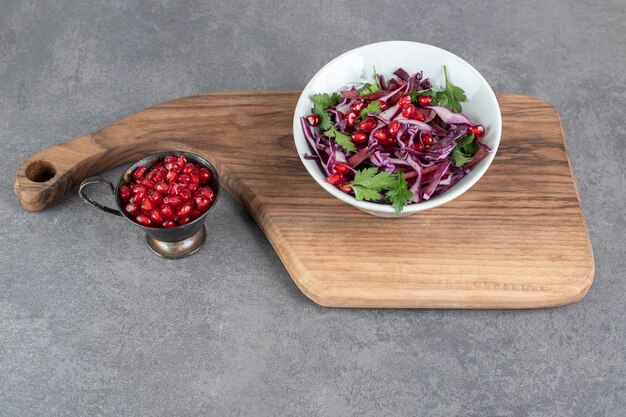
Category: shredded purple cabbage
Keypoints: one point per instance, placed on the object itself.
(422, 149)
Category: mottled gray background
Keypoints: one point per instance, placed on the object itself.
(93, 324)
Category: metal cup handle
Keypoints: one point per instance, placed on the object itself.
(97, 180)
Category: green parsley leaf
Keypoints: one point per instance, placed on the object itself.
(459, 157)
(341, 139)
(373, 107)
(320, 103)
(363, 193)
(368, 89)
(399, 194)
(464, 150)
(376, 78)
(451, 96)
(368, 183)
(468, 144)
(325, 100)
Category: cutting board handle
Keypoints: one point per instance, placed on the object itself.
(48, 175)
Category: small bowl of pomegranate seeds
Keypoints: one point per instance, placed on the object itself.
(168, 195)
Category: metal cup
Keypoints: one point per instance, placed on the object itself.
(173, 243)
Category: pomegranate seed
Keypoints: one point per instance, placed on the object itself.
(174, 189)
(405, 100)
(184, 179)
(173, 167)
(144, 220)
(172, 200)
(394, 127)
(195, 213)
(367, 125)
(187, 169)
(184, 220)
(418, 147)
(424, 100)
(158, 167)
(334, 179)
(427, 139)
(125, 193)
(156, 216)
(383, 105)
(139, 172)
(313, 119)
(195, 177)
(170, 159)
(131, 209)
(351, 118)
(202, 203)
(138, 198)
(184, 210)
(359, 137)
(162, 187)
(207, 193)
(342, 169)
(171, 176)
(409, 111)
(381, 135)
(185, 195)
(158, 176)
(478, 131)
(182, 161)
(205, 175)
(149, 184)
(168, 212)
(168, 224)
(156, 198)
(357, 106)
(147, 206)
(192, 186)
(345, 189)
(135, 188)
(419, 115)
(388, 141)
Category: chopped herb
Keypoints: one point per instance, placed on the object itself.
(451, 96)
(376, 79)
(368, 183)
(341, 139)
(373, 107)
(368, 89)
(320, 103)
(464, 150)
(399, 194)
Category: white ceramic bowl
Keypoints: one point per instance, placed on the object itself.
(357, 66)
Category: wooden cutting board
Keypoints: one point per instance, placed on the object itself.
(517, 239)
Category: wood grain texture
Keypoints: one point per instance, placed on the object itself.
(517, 239)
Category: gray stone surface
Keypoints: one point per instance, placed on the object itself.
(93, 324)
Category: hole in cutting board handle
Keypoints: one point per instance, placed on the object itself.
(40, 171)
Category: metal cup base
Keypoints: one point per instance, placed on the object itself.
(178, 249)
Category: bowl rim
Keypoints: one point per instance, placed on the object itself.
(447, 196)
